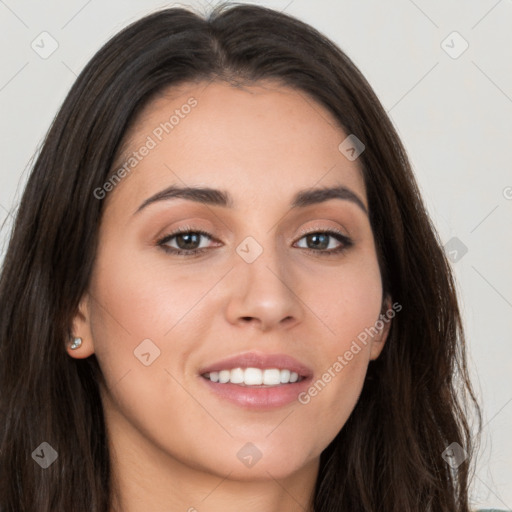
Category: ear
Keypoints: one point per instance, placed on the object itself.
(81, 328)
(384, 322)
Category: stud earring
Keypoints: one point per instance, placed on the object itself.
(76, 343)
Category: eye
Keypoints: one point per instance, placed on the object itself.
(186, 239)
(322, 240)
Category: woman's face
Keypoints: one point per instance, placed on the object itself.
(273, 288)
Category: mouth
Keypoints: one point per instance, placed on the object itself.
(254, 376)
(257, 380)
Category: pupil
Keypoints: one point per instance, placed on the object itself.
(188, 240)
(315, 238)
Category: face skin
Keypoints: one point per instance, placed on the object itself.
(174, 442)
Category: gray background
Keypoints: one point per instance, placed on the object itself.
(453, 111)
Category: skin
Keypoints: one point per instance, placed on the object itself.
(174, 443)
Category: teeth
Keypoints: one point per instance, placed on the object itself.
(224, 376)
(285, 376)
(254, 376)
(236, 376)
(271, 377)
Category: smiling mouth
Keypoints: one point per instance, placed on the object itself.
(254, 377)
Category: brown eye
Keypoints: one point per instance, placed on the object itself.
(187, 241)
(322, 242)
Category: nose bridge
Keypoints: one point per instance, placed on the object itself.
(263, 266)
(263, 283)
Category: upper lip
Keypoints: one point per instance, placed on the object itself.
(259, 360)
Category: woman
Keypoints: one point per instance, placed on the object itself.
(223, 289)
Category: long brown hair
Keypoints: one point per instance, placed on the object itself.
(416, 399)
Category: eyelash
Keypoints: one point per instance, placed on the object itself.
(345, 241)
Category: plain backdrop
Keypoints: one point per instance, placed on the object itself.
(443, 71)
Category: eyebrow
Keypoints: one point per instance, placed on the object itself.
(222, 198)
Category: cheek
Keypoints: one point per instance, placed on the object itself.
(138, 310)
(140, 297)
(351, 304)
(351, 301)
(141, 305)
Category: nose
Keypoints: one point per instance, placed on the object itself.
(264, 293)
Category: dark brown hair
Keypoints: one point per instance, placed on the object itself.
(417, 396)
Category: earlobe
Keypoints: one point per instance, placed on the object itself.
(79, 344)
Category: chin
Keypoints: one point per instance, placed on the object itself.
(262, 461)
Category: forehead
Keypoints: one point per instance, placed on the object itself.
(265, 138)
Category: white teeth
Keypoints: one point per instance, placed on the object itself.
(224, 376)
(237, 376)
(285, 376)
(254, 376)
(271, 377)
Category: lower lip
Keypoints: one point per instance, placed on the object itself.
(255, 397)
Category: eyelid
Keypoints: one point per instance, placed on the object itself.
(185, 229)
(317, 229)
